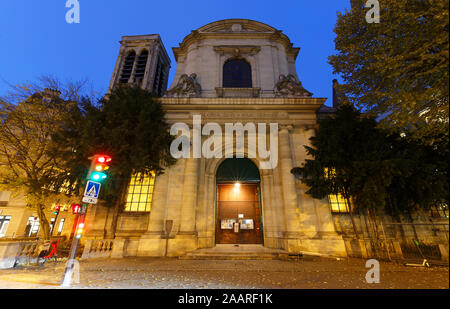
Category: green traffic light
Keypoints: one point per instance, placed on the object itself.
(98, 176)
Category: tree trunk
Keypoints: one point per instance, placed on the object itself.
(350, 211)
(373, 238)
(117, 208)
(43, 222)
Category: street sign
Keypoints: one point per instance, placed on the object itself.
(92, 189)
(89, 200)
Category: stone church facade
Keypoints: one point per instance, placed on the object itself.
(229, 71)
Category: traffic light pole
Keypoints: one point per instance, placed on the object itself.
(99, 163)
(54, 224)
(67, 277)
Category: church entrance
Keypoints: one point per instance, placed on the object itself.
(238, 203)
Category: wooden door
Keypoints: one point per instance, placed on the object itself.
(238, 216)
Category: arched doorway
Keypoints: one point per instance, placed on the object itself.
(238, 209)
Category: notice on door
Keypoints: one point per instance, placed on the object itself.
(246, 224)
(227, 224)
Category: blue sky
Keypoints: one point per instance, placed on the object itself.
(35, 38)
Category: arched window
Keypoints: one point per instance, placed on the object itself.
(237, 73)
(127, 67)
(140, 66)
(237, 169)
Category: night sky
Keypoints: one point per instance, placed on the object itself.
(36, 40)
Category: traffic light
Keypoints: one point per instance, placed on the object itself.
(57, 209)
(79, 231)
(99, 165)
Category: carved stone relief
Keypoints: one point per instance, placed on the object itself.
(187, 87)
(289, 86)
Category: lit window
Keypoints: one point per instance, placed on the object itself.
(338, 203)
(52, 224)
(32, 228)
(4, 222)
(332, 172)
(61, 225)
(140, 193)
(439, 211)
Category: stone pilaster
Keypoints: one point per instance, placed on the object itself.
(186, 238)
(269, 214)
(152, 242)
(187, 224)
(292, 232)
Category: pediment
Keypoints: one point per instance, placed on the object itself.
(237, 26)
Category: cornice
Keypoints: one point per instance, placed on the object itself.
(258, 104)
(243, 101)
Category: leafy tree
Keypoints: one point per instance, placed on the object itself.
(397, 68)
(421, 178)
(374, 167)
(129, 125)
(29, 115)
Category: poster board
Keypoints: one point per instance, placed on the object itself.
(227, 224)
(246, 224)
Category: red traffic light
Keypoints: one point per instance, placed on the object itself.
(57, 208)
(99, 164)
(103, 159)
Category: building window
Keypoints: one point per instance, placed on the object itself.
(140, 193)
(338, 203)
(61, 225)
(439, 211)
(237, 73)
(140, 67)
(32, 228)
(52, 224)
(4, 222)
(158, 83)
(127, 67)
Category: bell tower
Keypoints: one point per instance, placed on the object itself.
(142, 61)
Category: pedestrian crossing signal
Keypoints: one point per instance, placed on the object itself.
(76, 209)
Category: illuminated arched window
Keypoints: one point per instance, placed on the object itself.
(140, 193)
(237, 73)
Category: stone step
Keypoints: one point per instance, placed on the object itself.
(236, 252)
(230, 256)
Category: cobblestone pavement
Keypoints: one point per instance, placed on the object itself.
(307, 273)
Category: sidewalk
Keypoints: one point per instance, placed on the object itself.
(158, 273)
